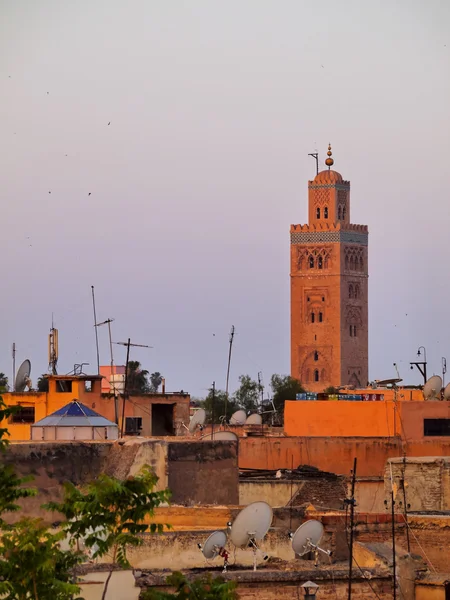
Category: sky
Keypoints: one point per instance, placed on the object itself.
(158, 150)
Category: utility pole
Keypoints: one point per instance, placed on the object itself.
(352, 503)
(394, 580)
(421, 365)
(261, 387)
(213, 401)
(128, 344)
(405, 506)
(96, 332)
(116, 408)
(228, 369)
(14, 366)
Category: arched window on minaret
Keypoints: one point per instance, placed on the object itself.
(339, 212)
(352, 263)
(313, 317)
(320, 317)
(325, 212)
(343, 213)
(316, 356)
(361, 263)
(318, 213)
(320, 262)
(316, 375)
(357, 291)
(350, 291)
(346, 263)
(311, 262)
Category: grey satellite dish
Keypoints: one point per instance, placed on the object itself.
(432, 388)
(238, 418)
(447, 392)
(214, 544)
(250, 527)
(254, 419)
(220, 436)
(307, 538)
(197, 420)
(23, 377)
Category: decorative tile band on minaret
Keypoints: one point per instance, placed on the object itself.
(329, 288)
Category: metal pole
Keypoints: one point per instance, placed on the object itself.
(352, 525)
(405, 506)
(394, 582)
(213, 401)
(96, 332)
(228, 368)
(14, 366)
(125, 389)
(444, 370)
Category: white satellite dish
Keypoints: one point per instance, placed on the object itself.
(250, 527)
(215, 546)
(307, 538)
(23, 377)
(197, 420)
(447, 392)
(238, 418)
(432, 388)
(254, 419)
(220, 436)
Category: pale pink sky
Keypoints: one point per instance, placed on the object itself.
(214, 107)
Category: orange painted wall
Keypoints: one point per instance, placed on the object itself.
(340, 418)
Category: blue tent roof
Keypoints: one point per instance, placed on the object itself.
(74, 414)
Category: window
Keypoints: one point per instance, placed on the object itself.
(318, 213)
(308, 298)
(436, 427)
(316, 375)
(343, 213)
(316, 356)
(311, 262)
(323, 298)
(350, 291)
(63, 387)
(320, 262)
(361, 263)
(320, 317)
(339, 213)
(352, 330)
(133, 425)
(313, 317)
(325, 212)
(24, 414)
(352, 263)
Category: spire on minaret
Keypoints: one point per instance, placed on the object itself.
(329, 161)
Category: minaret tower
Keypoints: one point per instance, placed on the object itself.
(329, 276)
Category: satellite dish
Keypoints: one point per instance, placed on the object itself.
(23, 377)
(197, 420)
(307, 536)
(251, 524)
(432, 388)
(238, 418)
(214, 544)
(220, 435)
(254, 419)
(447, 392)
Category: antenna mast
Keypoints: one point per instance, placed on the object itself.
(352, 503)
(14, 366)
(213, 401)
(113, 379)
(315, 155)
(96, 332)
(228, 368)
(394, 581)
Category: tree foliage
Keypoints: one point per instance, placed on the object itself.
(220, 400)
(248, 394)
(42, 384)
(203, 588)
(155, 381)
(137, 378)
(33, 566)
(4, 387)
(108, 515)
(284, 387)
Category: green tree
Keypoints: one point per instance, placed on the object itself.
(331, 390)
(137, 380)
(108, 515)
(4, 387)
(155, 381)
(33, 566)
(219, 406)
(42, 384)
(203, 588)
(284, 387)
(248, 394)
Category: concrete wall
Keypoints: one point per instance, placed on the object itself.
(203, 472)
(274, 492)
(121, 586)
(369, 495)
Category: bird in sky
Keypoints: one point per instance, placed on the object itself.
(109, 123)
(89, 194)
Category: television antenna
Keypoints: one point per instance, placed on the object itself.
(53, 350)
(315, 155)
(447, 392)
(22, 379)
(215, 546)
(238, 418)
(14, 365)
(116, 407)
(228, 367)
(197, 421)
(229, 436)
(306, 539)
(250, 527)
(254, 419)
(128, 344)
(432, 388)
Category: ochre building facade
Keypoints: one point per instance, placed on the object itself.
(329, 291)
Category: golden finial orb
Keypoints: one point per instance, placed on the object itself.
(329, 161)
